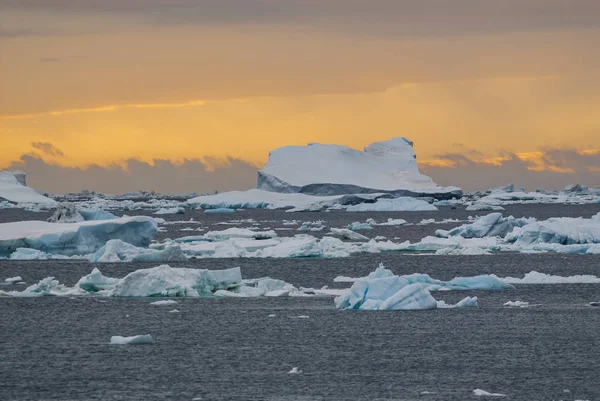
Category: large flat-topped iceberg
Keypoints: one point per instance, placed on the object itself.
(13, 191)
(75, 238)
(317, 169)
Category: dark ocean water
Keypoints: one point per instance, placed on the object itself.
(230, 349)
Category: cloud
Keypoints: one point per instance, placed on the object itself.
(47, 148)
(546, 169)
(102, 109)
(165, 176)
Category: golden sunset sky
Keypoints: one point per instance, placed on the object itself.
(100, 82)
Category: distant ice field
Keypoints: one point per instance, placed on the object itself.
(58, 348)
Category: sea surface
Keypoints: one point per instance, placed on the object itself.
(57, 348)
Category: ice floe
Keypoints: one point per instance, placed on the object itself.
(482, 393)
(75, 238)
(403, 204)
(143, 339)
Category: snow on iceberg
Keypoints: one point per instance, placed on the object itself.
(317, 169)
(75, 238)
(133, 340)
(116, 250)
(491, 225)
(404, 204)
(14, 191)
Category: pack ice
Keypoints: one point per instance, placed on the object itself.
(317, 169)
(75, 238)
(14, 191)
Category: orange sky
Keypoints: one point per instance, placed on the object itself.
(106, 84)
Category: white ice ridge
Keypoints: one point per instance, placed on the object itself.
(75, 238)
(382, 290)
(142, 339)
(13, 191)
(260, 199)
(534, 277)
(317, 169)
(403, 204)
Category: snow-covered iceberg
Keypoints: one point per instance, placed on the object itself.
(318, 169)
(13, 191)
(75, 238)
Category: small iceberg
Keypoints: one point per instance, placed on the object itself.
(482, 393)
(164, 302)
(133, 340)
(12, 280)
(295, 370)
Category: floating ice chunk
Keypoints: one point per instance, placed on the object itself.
(483, 207)
(75, 238)
(96, 282)
(295, 370)
(164, 302)
(347, 234)
(12, 280)
(118, 251)
(34, 254)
(239, 233)
(220, 210)
(383, 290)
(45, 287)
(357, 225)
(405, 204)
(482, 393)
(467, 302)
(487, 226)
(169, 281)
(174, 311)
(389, 222)
(133, 340)
(560, 230)
(462, 251)
(312, 226)
(66, 213)
(170, 210)
(96, 214)
(517, 304)
(534, 277)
